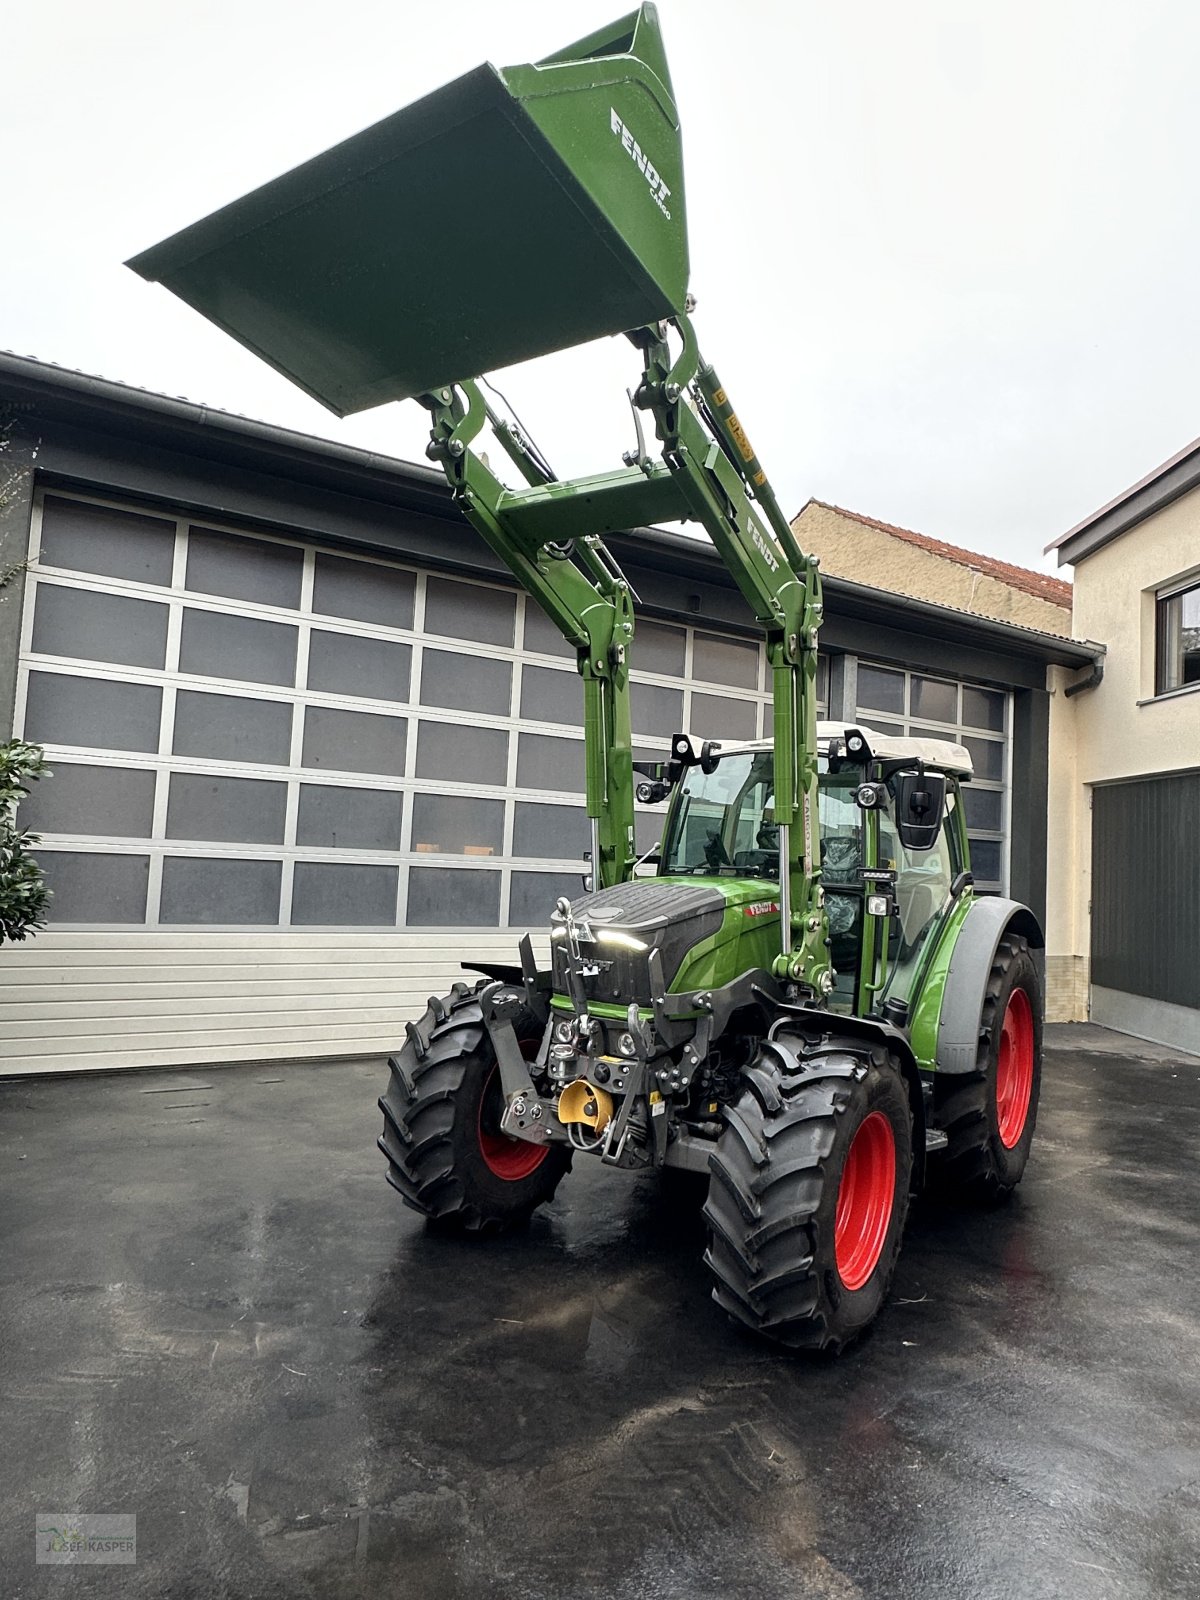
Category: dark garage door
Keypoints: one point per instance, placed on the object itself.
(1146, 888)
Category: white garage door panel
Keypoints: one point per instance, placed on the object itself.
(225, 985)
(95, 1001)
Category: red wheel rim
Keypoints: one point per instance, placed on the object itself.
(865, 1199)
(510, 1159)
(1014, 1069)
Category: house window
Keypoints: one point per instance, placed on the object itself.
(1177, 632)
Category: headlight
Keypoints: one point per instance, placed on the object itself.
(564, 1031)
(626, 1045)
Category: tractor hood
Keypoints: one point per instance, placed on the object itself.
(618, 927)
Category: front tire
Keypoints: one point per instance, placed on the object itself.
(441, 1124)
(809, 1192)
(989, 1115)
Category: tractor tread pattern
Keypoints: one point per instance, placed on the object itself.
(966, 1168)
(418, 1112)
(766, 1185)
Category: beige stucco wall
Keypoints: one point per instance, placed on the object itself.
(1105, 733)
(1068, 861)
(850, 549)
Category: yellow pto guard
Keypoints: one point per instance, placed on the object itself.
(582, 1102)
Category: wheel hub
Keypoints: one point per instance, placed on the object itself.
(866, 1195)
(509, 1158)
(1014, 1069)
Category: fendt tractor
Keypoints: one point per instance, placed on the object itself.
(797, 993)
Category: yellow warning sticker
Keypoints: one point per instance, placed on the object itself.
(739, 434)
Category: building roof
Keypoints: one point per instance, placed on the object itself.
(1039, 584)
(112, 405)
(1176, 476)
(350, 486)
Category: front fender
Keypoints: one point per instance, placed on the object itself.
(872, 1032)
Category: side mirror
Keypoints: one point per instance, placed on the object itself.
(920, 806)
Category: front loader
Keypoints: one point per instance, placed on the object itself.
(797, 994)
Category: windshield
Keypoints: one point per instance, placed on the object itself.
(724, 823)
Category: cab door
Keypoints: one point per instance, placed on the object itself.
(843, 856)
(924, 879)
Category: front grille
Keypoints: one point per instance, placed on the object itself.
(624, 974)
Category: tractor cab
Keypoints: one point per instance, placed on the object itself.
(885, 900)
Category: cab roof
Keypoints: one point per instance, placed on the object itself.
(941, 754)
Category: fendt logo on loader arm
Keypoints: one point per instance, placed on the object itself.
(763, 548)
(658, 184)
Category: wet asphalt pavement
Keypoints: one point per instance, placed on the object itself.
(215, 1314)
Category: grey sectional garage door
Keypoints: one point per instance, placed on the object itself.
(1146, 888)
(294, 786)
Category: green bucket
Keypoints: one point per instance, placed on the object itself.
(514, 212)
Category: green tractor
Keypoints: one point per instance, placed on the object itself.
(797, 994)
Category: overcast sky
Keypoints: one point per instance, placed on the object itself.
(945, 253)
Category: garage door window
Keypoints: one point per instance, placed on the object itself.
(250, 731)
(894, 701)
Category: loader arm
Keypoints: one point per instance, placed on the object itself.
(549, 534)
(578, 584)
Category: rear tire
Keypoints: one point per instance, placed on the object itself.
(441, 1135)
(809, 1192)
(989, 1115)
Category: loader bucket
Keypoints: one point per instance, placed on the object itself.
(516, 211)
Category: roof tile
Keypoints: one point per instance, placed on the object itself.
(1039, 584)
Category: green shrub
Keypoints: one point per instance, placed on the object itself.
(24, 896)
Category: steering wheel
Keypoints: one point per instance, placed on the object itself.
(715, 852)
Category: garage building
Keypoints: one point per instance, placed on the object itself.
(311, 747)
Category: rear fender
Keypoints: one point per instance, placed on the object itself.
(961, 1016)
